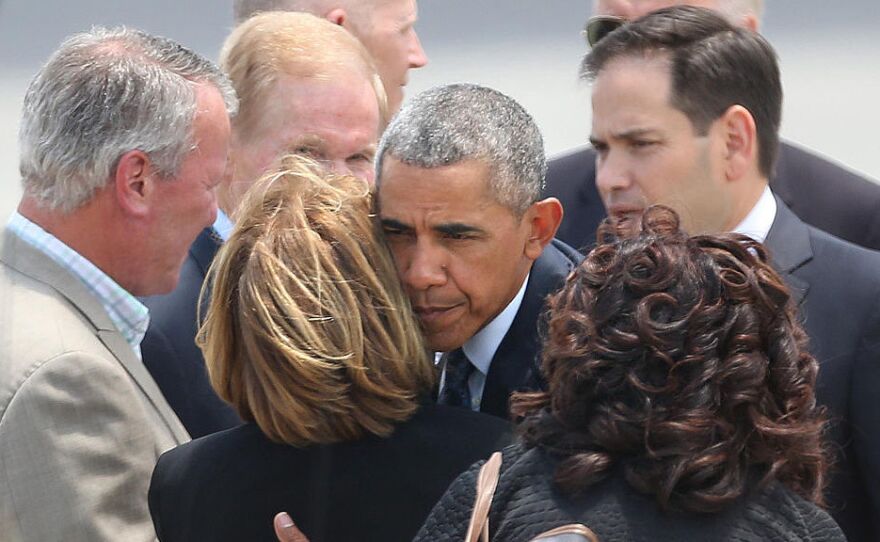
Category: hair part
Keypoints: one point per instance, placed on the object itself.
(104, 93)
(268, 46)
(449, 124)
(713, 65)
(679, 360)
(309, 333)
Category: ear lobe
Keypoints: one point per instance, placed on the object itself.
(740, 142)
(544, 218)
(338, 16)
(133, 182)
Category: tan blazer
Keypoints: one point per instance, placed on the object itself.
(82, 423)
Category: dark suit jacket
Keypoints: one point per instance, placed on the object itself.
(516, 364)
(838, 287)
(229, 486)
(820, 192)
(170, 352)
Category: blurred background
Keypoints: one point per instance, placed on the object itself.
(529, 49)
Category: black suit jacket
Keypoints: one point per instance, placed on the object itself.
(820, 192)
(516, 364)
(229, 486)
(837, 285)
(170, 352)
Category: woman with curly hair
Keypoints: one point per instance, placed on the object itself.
(680, 403)
(310, 337)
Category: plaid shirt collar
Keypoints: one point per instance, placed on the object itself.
(129, 315)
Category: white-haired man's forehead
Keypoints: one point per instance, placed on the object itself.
(245, 9)
(733, 9)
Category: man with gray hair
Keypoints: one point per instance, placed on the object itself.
(385, 27)
(820, 192)
(459, 175)
(124, 138)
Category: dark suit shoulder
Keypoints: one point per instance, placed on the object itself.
(571, 178)
(440, 424)
(566, 171)
(828, 196)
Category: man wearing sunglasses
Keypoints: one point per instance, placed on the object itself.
(820, 192)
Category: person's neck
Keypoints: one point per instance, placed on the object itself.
(743, 203)
(91, 231)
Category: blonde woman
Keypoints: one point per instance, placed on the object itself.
(311, 339)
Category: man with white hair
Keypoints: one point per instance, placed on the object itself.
(305, 86)
(820, 192)
(385, 27)
(124, 138)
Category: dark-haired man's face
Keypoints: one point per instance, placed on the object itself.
(648, 152)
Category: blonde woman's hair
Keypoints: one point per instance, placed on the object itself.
(309, 333)
(274, 44)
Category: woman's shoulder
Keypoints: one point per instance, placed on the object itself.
(777, 513)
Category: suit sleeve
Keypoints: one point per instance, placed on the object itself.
(865, 412)
(76, 453)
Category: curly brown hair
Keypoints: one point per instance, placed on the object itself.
(679, 359)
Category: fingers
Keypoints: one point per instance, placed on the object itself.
(285, 529)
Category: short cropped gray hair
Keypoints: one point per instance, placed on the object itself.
(243, 10)
(446, 125)
(104, 93)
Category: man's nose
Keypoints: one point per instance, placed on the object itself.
(417, 56)
(611, 173)
(427, 267)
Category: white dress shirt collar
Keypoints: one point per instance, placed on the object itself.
(760, 219)
(480, 349)
(223, 225)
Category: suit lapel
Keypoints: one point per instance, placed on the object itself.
(204, 248)
(516, 363)
(31, 262)
(790, 249)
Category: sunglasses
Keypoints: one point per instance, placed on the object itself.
(599, 26)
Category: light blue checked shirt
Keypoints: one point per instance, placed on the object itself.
(128, 314)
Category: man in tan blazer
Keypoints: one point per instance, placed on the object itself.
(123, 138)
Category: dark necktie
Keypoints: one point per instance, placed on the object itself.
(456, 391)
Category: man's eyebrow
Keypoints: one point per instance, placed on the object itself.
(395, 224)
(311, 141)
(457, 228)
(633, 133)
(370, 150)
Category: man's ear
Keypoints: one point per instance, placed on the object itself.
(133, 182)
(740, 140)
(750, 21)
(544, 218)
(338, 16)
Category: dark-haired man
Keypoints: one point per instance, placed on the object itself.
(820, 192)
(675, 122)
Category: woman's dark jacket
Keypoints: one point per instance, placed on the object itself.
(526, 504)
(230, 485)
